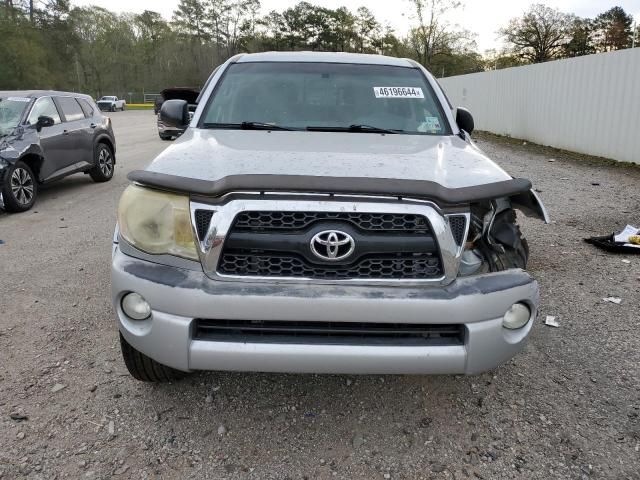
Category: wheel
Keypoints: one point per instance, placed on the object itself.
(516, 248)
(123, 107)
(104, 164)
(19, 188)
(113, 108)
(165, 137)
(144, 368)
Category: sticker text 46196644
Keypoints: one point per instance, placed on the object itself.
(398, 92)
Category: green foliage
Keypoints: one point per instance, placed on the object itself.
(544, 34)
(613, 30)
(49, 44)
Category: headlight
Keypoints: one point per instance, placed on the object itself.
(156, 222)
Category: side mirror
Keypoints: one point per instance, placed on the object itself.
(464, 119)
(44, 121)
(175, 114)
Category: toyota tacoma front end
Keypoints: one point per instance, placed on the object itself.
(322, 213)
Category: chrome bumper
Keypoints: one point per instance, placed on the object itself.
(179, 295)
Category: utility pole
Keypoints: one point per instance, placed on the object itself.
(633, 35)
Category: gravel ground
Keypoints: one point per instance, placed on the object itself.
(567, 407)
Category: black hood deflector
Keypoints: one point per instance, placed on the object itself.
(338, 185)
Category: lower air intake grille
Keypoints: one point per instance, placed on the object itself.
(328, 333)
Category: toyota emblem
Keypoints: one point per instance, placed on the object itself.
(332, 245)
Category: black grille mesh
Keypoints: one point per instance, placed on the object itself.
(412, 266)
(407, 223)
(328, 333)
(203, 219)
(458, 224)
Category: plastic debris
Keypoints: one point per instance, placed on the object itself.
(551, 321)
(626, 261)
(615, 300)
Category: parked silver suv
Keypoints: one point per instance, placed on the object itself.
(322, 212)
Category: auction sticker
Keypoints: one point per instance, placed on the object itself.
(398, 92)
(19, 99)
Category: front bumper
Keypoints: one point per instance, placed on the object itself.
(180, 295)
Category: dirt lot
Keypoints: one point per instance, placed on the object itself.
(568, 407)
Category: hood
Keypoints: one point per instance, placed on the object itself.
(213, 154)
(190, 95)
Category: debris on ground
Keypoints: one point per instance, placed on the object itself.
(57, 387)
(615, 300)
(551, 321)
(18, 417)
(627, 241)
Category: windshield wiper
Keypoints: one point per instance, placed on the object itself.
(248, 126)
(354, 128)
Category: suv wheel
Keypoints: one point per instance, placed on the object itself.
(146, 369)
(19, 188)
(104, 164)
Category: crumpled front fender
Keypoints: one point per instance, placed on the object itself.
(531, 205)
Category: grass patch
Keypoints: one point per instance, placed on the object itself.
(139, 106)
(552, 152)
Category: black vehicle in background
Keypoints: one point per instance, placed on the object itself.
(47, 135)
(188, 94)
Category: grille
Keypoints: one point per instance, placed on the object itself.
(407, 223)
(458, 225)
(414, 266)
(333, 333)
(203, 219)
(388, 246)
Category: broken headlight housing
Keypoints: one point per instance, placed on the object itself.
(157, 222)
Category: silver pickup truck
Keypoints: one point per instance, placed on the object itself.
(322, 212)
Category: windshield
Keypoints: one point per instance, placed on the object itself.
(11, 112)
(326, 97)
(108, 99)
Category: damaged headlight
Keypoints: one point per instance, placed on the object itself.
(157, 222)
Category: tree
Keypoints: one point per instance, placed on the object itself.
(539, 35)
(190, 18)
(580, 38)
(367, 30)
(613, 30)
(433, 34)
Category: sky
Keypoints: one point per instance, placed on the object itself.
(481, 17)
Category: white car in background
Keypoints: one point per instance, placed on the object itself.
(111, 104)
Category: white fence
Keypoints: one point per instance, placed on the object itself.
(588, 104)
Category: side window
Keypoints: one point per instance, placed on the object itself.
(70, 108)
(87, 108)
(43, 107)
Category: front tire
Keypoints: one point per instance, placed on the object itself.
(19, 188)
(104, 164)
(146, 369)
(515, 252)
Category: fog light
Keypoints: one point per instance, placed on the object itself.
(135, 306)
(517, 316)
